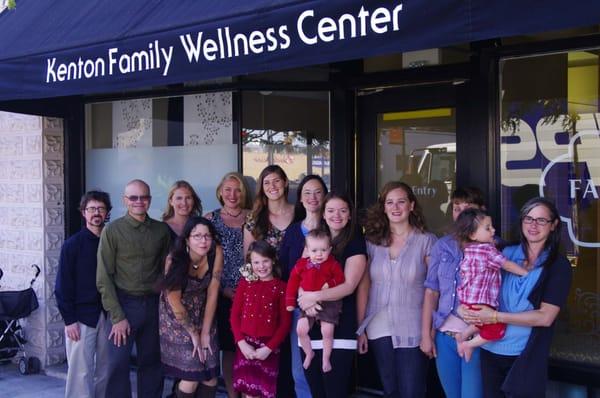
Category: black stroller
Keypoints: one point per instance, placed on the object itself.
(15, 305)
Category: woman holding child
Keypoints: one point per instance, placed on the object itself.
(398, 247)
(349, 249)
(517, 364)
(308, 212)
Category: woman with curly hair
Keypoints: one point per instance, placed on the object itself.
(398, 247)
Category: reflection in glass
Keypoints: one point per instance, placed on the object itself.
(550, 141)
(419, 148)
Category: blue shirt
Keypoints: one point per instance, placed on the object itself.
(514, 297)
(77, 298)
(443, 276)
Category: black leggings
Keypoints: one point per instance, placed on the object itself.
(333, 384)
(494, 368)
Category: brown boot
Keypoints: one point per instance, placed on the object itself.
(181, 394)
(204, 391)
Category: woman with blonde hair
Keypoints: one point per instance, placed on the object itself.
(228, 220)
(182, 203)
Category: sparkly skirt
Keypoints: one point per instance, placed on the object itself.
(254, 377)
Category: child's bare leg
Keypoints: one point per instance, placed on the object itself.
(465, 334)
(302, 328)
(327, 329)
(468, 346)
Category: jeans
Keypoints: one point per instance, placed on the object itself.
(142, 314)
(403, 371)
(300, 384)
(459, 379)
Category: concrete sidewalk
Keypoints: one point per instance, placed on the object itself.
(51, 383)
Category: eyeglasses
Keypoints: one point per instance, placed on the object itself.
(141, 198)
(206, 237)
(539, 221)
(93, 209)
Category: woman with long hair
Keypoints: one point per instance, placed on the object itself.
(188, 301)
(398, 247)
(308, 213)
(228, 220)
(271, 212)
(517, 365)
(349, 249)
(182, 203)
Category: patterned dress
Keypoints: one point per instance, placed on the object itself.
(232, 243)
(273, 237)
(175, 342)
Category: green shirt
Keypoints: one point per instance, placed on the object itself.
(131, 256)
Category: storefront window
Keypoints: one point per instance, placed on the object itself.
(290, 129)
(161, 140)
(550, 146)
(419, 148)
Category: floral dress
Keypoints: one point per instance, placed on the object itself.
(175, 342)
(273, 237)
(232, 243)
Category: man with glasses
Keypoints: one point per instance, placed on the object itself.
(131, 255)
(76, 295)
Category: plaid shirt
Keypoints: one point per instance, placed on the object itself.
(480, 274)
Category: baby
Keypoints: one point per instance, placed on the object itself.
(318, 271)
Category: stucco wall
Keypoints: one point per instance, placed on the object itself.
(32, 221)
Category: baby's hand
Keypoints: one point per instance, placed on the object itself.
(325, 286)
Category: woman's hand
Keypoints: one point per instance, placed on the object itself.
(363, 343)
(262, 353)
(247, 350)
(197, 345)
(307, 300)
(205, 344)
(479, 314)
(428, 345)
(228, 292)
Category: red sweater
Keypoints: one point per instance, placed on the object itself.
(259, 311)
(312, 278)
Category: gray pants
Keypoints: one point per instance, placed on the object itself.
(81, 360)
(113, 362)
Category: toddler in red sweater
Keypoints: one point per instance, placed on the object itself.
(259, 322)
(318, 271)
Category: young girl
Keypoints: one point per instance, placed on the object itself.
(259, 322)
(480, 275)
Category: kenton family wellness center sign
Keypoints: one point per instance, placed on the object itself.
(277, 39)
(199, 48)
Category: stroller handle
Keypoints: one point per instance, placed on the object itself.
(37, 273)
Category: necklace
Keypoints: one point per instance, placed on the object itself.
(232, 215)
(195, 266)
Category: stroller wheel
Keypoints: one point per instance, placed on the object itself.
(33, 365)
(23, 366)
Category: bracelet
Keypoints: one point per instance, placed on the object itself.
(495, 317)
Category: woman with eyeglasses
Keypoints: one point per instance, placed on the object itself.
(517, 365)
(188, 302)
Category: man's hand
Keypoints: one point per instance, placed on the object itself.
(119, 332)
(262, 353)
(72, 331)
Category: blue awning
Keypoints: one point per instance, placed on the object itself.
(54, 48)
